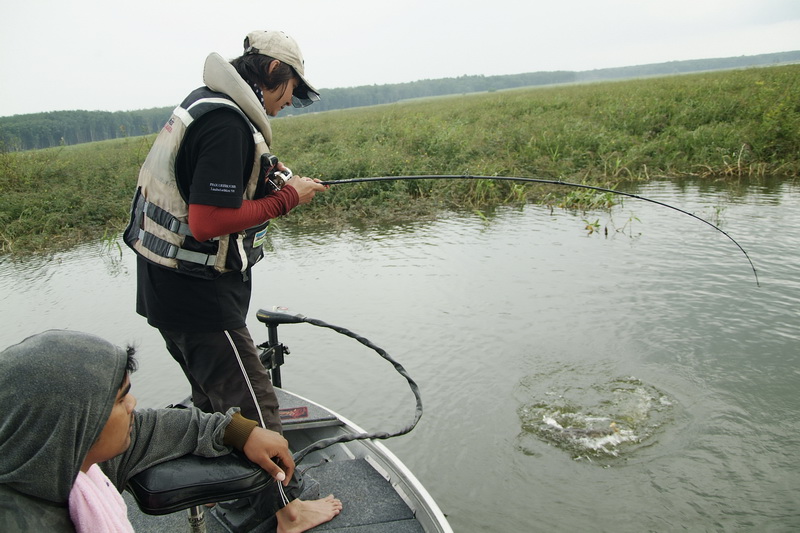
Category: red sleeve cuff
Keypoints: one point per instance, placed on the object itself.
(208, 221)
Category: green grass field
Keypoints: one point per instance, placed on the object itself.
(733, 126)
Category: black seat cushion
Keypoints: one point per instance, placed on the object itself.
(192, 480)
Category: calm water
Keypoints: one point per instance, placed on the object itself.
(639, 381)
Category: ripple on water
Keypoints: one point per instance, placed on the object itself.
(600, 420)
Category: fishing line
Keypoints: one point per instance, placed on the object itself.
(549, 182)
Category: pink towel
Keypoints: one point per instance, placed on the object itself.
(95, 506)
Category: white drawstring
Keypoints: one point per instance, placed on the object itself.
(284, 499)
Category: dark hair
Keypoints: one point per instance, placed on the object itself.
(254, 68)
(131, 365)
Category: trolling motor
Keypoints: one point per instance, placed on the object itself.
(273, 352)
(273, 356)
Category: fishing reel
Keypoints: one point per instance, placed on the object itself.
(271, 178)
(279, 178)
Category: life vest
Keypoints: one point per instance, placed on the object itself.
(159, 225)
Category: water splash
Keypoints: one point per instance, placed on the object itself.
(597, 421)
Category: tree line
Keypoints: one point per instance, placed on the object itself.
(384, 94)
(56, 128)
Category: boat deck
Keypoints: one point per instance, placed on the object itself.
(370, 503)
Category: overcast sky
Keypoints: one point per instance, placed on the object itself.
(112, 56)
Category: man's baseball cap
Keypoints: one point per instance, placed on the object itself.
(283, 48)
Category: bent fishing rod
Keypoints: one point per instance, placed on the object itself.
(547, 182)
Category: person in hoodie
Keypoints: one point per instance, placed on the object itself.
(70, 438)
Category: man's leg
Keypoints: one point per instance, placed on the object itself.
(199, 398)
(224, 367)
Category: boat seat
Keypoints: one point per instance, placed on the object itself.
(192, 480)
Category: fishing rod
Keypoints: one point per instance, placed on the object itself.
(548, 182)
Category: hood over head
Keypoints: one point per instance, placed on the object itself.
(57, 389)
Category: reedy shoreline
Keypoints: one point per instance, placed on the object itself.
(728, 126)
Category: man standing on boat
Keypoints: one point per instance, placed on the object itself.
(204, 199)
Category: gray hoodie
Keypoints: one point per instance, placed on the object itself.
(57, 389)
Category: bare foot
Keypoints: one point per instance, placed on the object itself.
(302, 515)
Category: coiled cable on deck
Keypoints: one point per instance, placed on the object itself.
(324, 443)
